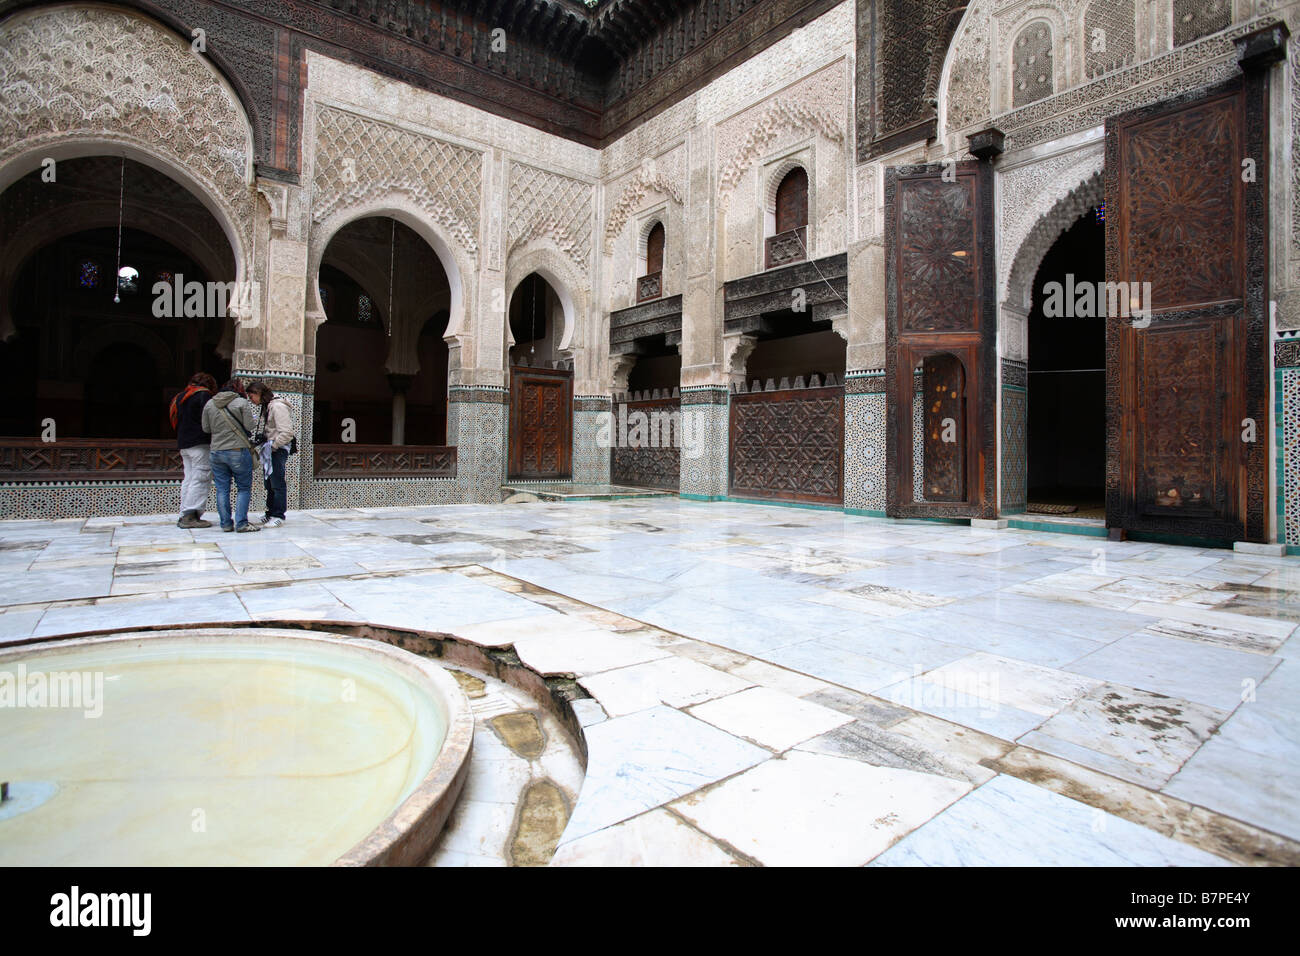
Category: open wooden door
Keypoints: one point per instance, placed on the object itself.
(541, 423)
(1186, 213)
(940, 341)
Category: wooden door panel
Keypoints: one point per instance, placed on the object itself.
(1181, 381)
(940, 315)
(541, 423)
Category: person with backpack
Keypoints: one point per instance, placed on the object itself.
(187, 418)
(276, 441)
(230, 419)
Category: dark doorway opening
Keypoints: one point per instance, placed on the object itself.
(1067, 376)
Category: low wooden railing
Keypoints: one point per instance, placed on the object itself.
(384, 461)
(89, 459)
(649, 287)
(787, 247)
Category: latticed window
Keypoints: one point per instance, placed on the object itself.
(1031, 73)
(1109, 40)
(1194, 19)
(363, 308)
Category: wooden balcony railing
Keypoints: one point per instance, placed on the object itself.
(787, 247)
(649, 287)
(384, 461)
(89, 459)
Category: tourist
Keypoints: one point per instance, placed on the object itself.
(229, 419)
(275, 440)
(187, 418)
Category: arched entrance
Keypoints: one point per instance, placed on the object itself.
(381, 364)
(116, 288)
(1066, 430)
(541, 390)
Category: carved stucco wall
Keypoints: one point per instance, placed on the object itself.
(807, 124)
(653, 191)
(78, 78)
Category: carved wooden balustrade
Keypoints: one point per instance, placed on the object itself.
(384, 461)
(649, 287)
(787, 247)
(89, 459)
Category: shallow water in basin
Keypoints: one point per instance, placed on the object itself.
(211, 753)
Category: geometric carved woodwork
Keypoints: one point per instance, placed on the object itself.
(541, 423)
(944, 390)
(657, 462)
(89, 459)
(788, 445)
(1178, 387)
(351, 460)
(940, 316)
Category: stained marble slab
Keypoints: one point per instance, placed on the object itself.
(657, 838)
(676, 681)
(1132, 734)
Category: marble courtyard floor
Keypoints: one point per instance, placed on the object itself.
(781, 686)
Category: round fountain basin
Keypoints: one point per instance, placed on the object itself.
(231, 748)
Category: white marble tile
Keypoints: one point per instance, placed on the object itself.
(656, 838)
(1256, 788)
(295, 602)
(17, 625)
(838, 666)
(675, 681)
(779, 678)
(584, 652)
(1008, 822)
(644, 760)
(141, 612)
(1201, 673)
(769, 717)
(807, 809)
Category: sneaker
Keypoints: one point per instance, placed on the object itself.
(246, 528)
(273, 522)
(227, 527)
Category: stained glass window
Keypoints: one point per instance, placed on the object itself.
(88, 275)
(164, 277)
(1101, 212)
(324, 296)
(363, 308)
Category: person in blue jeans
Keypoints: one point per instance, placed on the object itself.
(229, 419)
(274, 439)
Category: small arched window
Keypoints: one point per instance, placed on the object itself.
(790, 242)
(363, 308)
(650, 285)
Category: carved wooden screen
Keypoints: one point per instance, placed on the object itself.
(647, 451)
(940, 317)
(541, 423)
(788, 445)
(1180, 382)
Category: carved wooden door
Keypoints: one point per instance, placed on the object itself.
(541, 423)
(1182, 381)
(940, 341)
